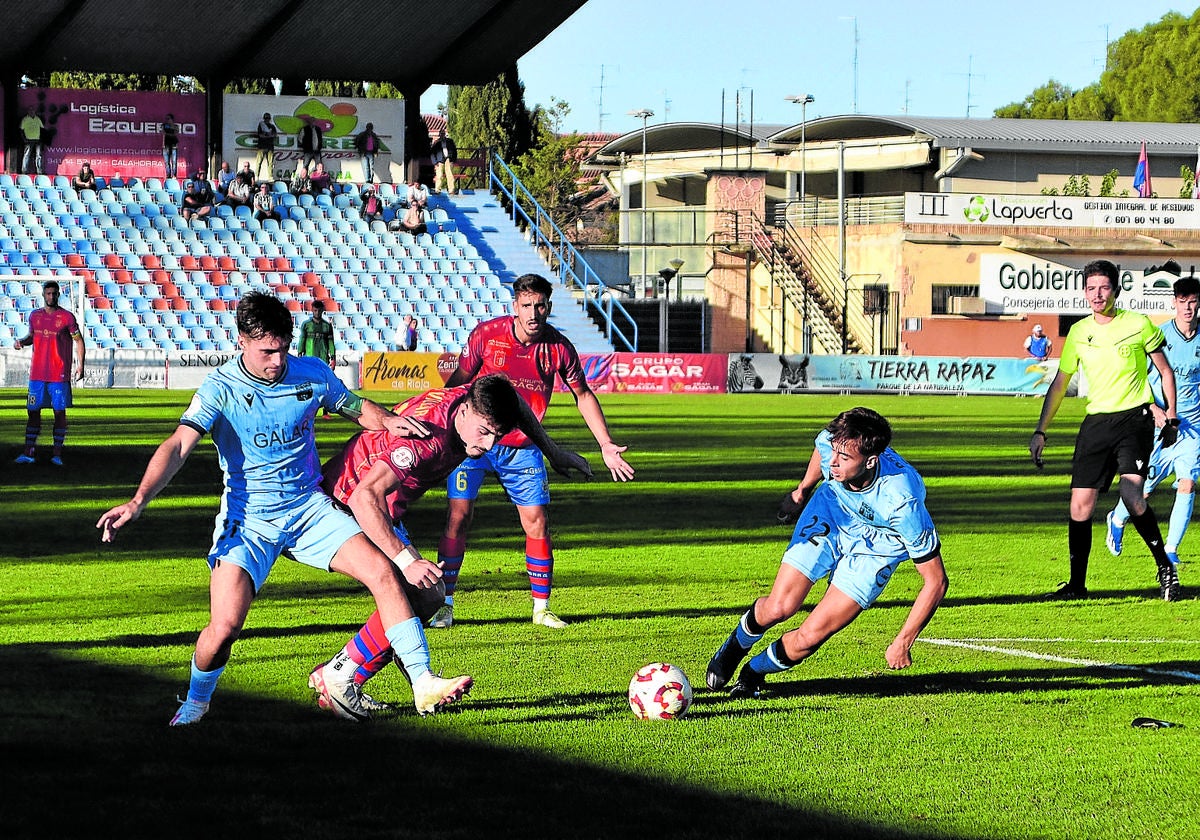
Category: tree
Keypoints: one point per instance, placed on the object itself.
(1151, 75)
(492, 115)
(122, 81)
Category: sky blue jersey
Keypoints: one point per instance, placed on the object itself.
(263, 431)
(893, 503)
(1183, 355)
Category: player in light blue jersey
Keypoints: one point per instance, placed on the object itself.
(861, 511)
(259, 409)
(1182, 349)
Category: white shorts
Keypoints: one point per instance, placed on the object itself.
(858, 558)
(310, 533)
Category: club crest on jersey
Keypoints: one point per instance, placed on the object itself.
(403, 458)
(304, 395)
(866, 512)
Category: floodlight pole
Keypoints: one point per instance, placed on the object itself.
(644, 114)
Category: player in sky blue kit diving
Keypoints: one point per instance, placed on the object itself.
(259, 408)
(864, 519)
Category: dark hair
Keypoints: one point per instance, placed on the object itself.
(260, 314)
(1186, 286)
(535, 283)
(50, 284)
(494, 397)
(869, 428)
(318, 306)
(1105, 269)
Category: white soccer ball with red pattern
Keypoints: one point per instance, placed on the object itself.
(659, 691)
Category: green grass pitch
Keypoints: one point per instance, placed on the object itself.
(1021, 729)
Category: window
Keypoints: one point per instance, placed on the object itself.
(942, 295)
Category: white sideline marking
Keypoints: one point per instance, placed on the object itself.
(1066, 660)
(1028, 639)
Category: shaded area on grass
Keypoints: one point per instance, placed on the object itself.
(86, 752)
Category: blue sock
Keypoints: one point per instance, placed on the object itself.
(769, 661)
(1120, 514)
(745, 636)
(203, 683)
(408, 642)
(1181, 515)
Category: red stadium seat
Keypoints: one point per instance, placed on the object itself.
(113, 261)
(91, 288)
(331, 305)
(292, 305)
(122, 275)
(207, 263)
(178, 304)
(263, 264)
(226, 263)
(160, 304)
(217, 305)
(217, 278)
(101, 302)
(189, 263)
(151, 261)
(74, 260)
(282, 264)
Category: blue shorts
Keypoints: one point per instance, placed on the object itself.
(1182, 458)
(55, 395)
(521, 472)
(310, 533)
(858, 558)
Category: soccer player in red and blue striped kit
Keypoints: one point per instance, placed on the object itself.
(530, 352)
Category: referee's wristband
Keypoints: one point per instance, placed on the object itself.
(1172, 421)
(405, 558)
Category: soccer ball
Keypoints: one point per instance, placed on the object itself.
(659, 691)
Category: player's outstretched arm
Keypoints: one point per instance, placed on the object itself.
(369, 505)
(374, 417)
(164, 463)
(563, 461)
(923, 608)
(593, 415)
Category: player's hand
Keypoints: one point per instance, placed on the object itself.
(564, 461)
(405, 427)
(1168, 434)
(898, 656)
(1037, 444)
(422, 574)
(789, 509)
(616, 463)
(79, 374)
(115, 519)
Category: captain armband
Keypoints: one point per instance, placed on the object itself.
(352, 407)
(407, 556)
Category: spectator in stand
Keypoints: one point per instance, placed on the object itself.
(241, 189)
(411, 214)
(406, 336)
(31, 132)
(444, 155)
(311, 142)
(193, 205)
(204, 187)
(266, 134)
(86, 179)
(301, 183)
(321, 182)
(170, 130)
(264, 203)
(367, 144)
(372, 206)
(225, 177)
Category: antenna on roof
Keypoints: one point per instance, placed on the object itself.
(602, 114)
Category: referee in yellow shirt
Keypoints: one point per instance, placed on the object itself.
(1111, 346)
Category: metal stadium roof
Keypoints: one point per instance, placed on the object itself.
(411, 44)
(687, 136)
(1026, 135)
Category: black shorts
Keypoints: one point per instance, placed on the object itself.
(1112, 444)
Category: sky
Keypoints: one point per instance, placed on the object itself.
(929, 59)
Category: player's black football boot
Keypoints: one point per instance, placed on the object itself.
(724, 662)
(750, 684)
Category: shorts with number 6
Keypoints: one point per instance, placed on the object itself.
(521, 472)
(858, 557)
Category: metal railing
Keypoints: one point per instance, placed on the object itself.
(814, 211)
(565, 260)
